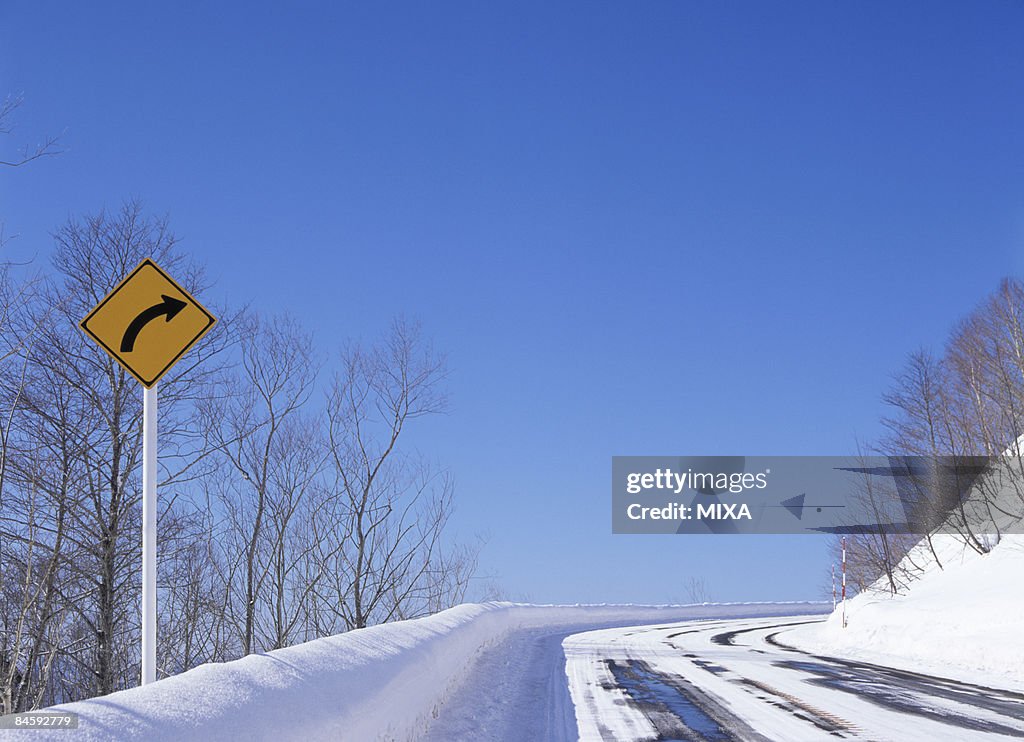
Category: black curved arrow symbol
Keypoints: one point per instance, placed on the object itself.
(169, 306)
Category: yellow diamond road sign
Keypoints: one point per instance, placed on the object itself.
(147, 322)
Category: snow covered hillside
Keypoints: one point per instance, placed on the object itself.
(964, 620)
(964, 614)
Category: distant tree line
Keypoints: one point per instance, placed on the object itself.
(288, 508)
(967, 401)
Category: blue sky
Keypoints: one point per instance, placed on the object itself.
(636, 228)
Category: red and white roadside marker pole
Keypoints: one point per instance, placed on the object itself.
(844, 581)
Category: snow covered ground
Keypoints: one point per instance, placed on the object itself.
(965, 620)
(502, 671)
(386, 682)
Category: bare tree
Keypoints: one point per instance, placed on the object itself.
(697, 590)
(38, 520)
(272, 461)
(47, 148)
(31, 546)
(394, 562)
(192, 620)
(966, 405)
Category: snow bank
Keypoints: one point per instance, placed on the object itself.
(380, 683)
(964, 620)
(964, 614)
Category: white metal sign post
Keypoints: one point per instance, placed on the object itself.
(149, 535)
(146, 324)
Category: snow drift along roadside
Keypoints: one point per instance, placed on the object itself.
(384, 682)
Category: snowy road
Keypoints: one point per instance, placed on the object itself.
(706, 680)
(516, 691)
(739, 680)
(517, 688)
